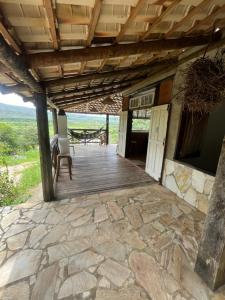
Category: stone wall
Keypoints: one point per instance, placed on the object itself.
(188, 183)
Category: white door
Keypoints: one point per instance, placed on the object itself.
(121, 147)
(157, 140)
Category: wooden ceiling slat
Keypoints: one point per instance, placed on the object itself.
(51, 21)
(159, 19)
(192, 12)
(93, 92)
(79, 55)
(92, 88)
(128, 71)
(77, 102)
(208, 19)
(134, 11)
(94, 21)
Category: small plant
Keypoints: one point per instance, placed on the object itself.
(7, 189)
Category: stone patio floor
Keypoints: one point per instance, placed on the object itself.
(131, 244)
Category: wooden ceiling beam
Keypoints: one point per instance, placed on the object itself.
(93, 88)
(77, 101)
(92, 93)
(47, 59)
(159, 19)
(192, 12)
(94, 21)
(134, 11)
(17, 65)
(51, 20)
(9, 38)
(107, 75)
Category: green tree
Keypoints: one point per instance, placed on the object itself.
(8, 139)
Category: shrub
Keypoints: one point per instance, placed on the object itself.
(7, 189)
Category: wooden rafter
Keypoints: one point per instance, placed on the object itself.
(94, 21)
(93, 88)
(159, 19)
(134, 11)
(82, 67)
(9, 38)
(91, 93)
(17, 66)
(90, 98)
(103, 62)
(128, 71)
(51, 21)
(207, 19)
(192, 12)
(93, 53)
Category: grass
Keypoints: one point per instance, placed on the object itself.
(22, 157)
(30, 178)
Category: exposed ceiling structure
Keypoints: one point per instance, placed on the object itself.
(82, 51)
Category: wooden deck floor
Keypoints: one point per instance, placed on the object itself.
(97, 168)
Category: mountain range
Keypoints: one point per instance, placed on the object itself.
(19, 113)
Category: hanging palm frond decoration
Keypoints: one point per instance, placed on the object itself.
(204, 84)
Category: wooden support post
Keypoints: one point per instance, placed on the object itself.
(210, 264)
(107, 129)
(129, 130)
(55, 121)
(44, 146)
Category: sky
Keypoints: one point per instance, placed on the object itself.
(13, 99)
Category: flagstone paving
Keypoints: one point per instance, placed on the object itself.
(132, 244)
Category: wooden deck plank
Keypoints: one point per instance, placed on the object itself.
(98, 168)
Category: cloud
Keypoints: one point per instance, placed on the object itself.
(13, 99)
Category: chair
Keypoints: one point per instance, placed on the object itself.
(69, 161)
(60, 150)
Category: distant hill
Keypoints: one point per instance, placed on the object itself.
(19, 113)
(16, 112)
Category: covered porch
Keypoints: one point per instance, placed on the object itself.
(136, 240)
(97, 168)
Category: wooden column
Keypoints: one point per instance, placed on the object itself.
(107, 129)
(44, 147)
(129, 130)
(210, 264)
(55, 121)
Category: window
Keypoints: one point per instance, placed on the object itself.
(141, 120)
(200, 139)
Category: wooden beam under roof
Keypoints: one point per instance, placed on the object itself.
(93, 88)
(47, 59)
(81, 100)
(9, 38)
(192, 13)
(17, 66)
(51, 21)
(107, 75)
(92, 93)
(94, 21)
(159, 19)
(134, 11)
